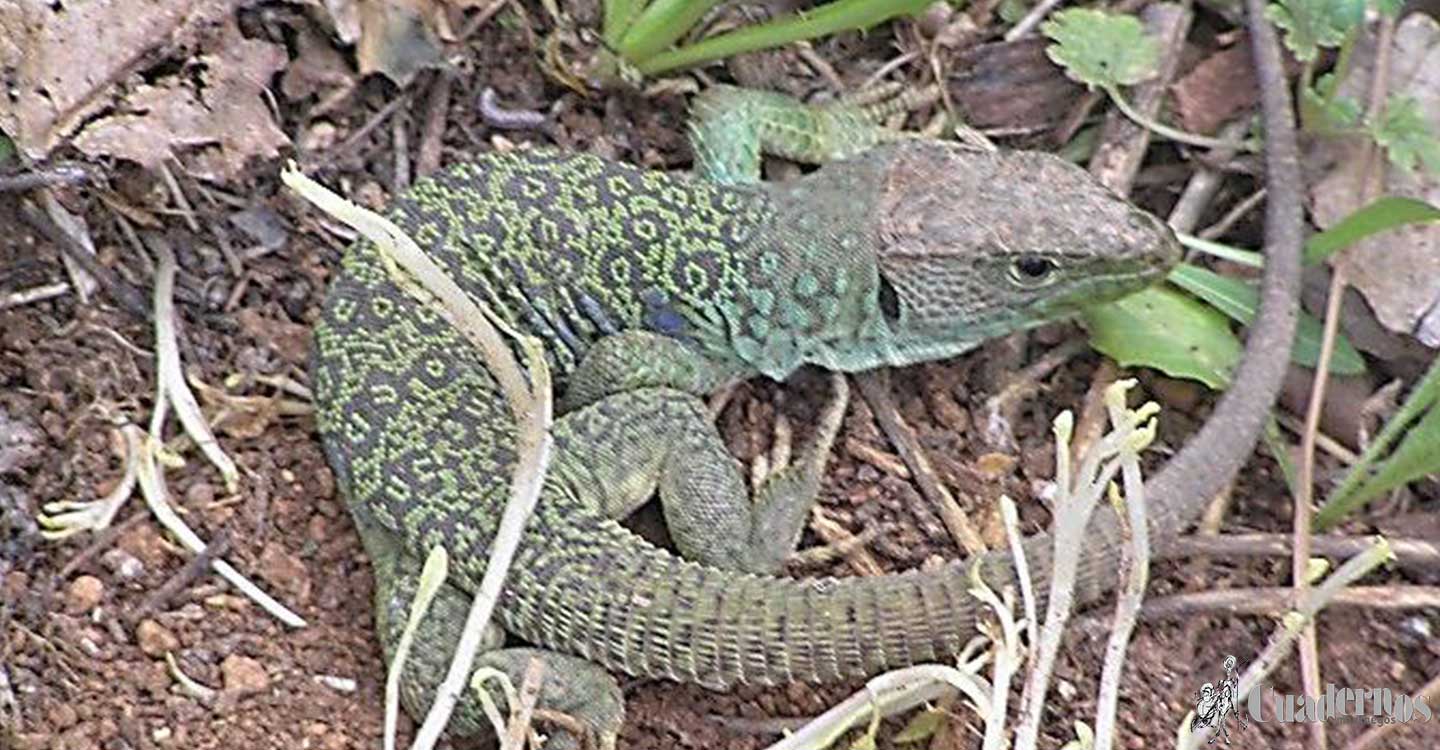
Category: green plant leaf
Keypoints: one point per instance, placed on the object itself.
(1221, 250)
(1388, 212)
(1312, 24)
(1011, 11)
(1405, 135)
(920, 728)
(1327, 112)
(1164, 328)
(832, 17)
(659, 25)
(1240, 299)
(1390, 7)
(618, 15)
(1418, 454)
(1101, 49)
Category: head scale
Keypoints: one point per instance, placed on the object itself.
(969, 245)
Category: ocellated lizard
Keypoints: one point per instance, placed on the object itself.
(650, 290)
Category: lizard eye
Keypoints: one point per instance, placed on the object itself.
(1033, 271)
(889, 301)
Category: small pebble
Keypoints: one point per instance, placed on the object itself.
(62, 716)
(319, 137)
(285, 571)
(340, 684)
(244, 675)
(124, 565)
(155, 640)
(83, 595)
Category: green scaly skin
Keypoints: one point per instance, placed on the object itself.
(651, 290)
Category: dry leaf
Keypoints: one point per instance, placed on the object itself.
(398, 38)
(317, 70)
(60, 62)
(229, 110)
(1222, 86)
(1398, 272)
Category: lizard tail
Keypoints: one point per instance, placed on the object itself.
(594, 589)
(633, 607)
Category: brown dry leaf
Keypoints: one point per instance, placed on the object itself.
(60, 62)
(229, 110)
(317, 70)
(399, 37)
(1220, 87)
(249, 423)
(1398, 272)
(995, 465)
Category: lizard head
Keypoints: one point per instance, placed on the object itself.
(968, 245)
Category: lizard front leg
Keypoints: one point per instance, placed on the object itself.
(635, 402)
(640, 359)
(628, 445)
(730, 127)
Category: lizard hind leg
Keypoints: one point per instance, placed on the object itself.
(570, 685)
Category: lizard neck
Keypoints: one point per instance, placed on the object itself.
(808, 274)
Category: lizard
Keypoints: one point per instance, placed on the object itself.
(650, 290)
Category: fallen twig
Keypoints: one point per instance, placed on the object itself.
(1415, 552)
(34, 294)
(1274, 600)
(192, 569)
(875, 387)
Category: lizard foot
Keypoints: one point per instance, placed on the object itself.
(786, 487)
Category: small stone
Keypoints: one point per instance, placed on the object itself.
(155, 640)
(995, 465)
(339, 684)
(285, 571)
(83, 595)
(62, 716)
(30, 741)
(144, 543)
(124, 565)
(228, 601)
(319, 137)
(244, 675)
(199, 495)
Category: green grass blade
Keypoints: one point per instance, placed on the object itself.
(662, 24)
(1239, 300)
(619, 14)
(1221, 250)
(830, 18)
(1385, 213)
(1418, 454)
